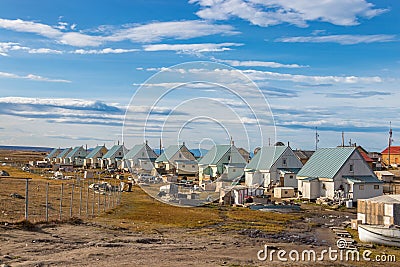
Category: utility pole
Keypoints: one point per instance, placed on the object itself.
(342, 139)
(390, 140)
(316, 138)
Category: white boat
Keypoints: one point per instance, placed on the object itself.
(379, 234)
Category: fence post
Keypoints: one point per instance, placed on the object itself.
(47, 202)
(87, 200)
(98, 203)
(61, 200)
(105, 199)
(26, 198)
(80, 200)
(72, 200)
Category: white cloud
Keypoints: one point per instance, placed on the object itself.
(267, 75)
(157, 31)
(31, 27)
(345, 39)
(191, 48)
(31, 77)
(44, 51)
(104, 51)
(268, 64)
(298, 12)
(5, 48)
(147, 33)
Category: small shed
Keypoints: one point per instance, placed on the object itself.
(284, 192)
(381, 210)
(385, 176)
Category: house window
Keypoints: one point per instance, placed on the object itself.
(323, 187)
(142, 154)
(180, 155)
(284, 161)
(183, 165)
(351, 167)
(361, 187)
(234, 170)
(229, 157)
(376, 186)
(291, 176)
(193, 166)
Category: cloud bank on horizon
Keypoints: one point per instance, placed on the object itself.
(331, 65)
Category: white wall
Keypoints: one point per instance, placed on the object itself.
(291, 182)
(367, 192)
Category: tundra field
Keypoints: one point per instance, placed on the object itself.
(141, 231)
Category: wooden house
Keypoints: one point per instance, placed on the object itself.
(273, 165)
(339, 172)
(94, 158)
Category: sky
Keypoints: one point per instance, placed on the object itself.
(200, 72)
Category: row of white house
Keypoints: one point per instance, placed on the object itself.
(330, 172)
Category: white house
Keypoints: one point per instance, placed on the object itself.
(94, 158)
(114, 156)
(140, 157)
(339, 172)
(177, 159)
(273, 165)
(76, 156)
(223, 161)
(52, 156)
(60, 157)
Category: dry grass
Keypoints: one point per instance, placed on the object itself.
(270, 222)
(141, 212)
(85, 203)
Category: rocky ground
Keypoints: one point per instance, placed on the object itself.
(80, 243)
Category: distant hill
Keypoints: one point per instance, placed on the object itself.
(27, 148)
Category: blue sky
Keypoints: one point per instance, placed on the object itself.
(69, 69)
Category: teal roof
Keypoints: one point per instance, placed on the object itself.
(215, 155)
(53, 153)
(363, 179)
(266, 157)
(114, 150)
(135, 150)
(73, 151)
(326, 162)
(64, 153)
(93, 153)
(168, 153)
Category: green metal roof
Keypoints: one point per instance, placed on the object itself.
(326, 162)
(363, 179)
(168, 153)
(223, 154)
(266, 157)
(93, 153)
(215, 154)
(53, 153)
(114, 150)
(133, 152)
(73, 151)
(64, 153)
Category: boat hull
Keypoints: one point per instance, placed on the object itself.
(379, 235)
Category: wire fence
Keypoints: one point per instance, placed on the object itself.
(41, 200)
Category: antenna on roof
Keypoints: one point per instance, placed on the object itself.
(183, 143)
(118, 142)
(146, 142)
(316, 138)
